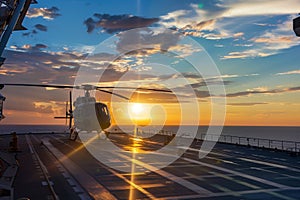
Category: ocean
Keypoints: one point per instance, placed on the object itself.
(262, 132)
(21, 129)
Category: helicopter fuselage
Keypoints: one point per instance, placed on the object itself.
(90, 115)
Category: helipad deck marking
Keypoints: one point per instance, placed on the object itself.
(127, 187)
(260, 156)
(281, 159)
(226, 190)
(264, 181)
(44, 170)
(189, 185)
(132, 184)
(264, 170)
(270, 164)
(288, 177)
(235, 180)
(252, 160)
(219, 194)
(218, 159)
(95, 189)
(280, 196)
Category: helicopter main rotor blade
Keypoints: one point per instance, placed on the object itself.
(109, 92)
(39, 85)
(84, 87)
(133, 88)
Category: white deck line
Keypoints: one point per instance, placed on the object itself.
(219, 194)
(95, 189)
(131, 183)
(176, 179)
(264, 181)
(253, 161)
(270, 164)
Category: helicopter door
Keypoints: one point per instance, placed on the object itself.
(103, 115)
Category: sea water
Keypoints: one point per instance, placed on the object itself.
(21, 129)
(263, 132)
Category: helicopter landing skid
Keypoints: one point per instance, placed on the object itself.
(73, 134)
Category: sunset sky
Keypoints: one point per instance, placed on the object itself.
(251, 43)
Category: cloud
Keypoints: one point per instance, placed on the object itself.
(46, 13)
(238, 8)
(154, 97)
(41, 27)
(239, 34)
(247, 104)
(270, 42)
(246, 54)
(147, 39)
(117, 23)
(139, 45)
(210, 82)
(195, 22)
(30, 33)
(44, 109)
(219, 21)
(28, 64)
(289, 72)
(281, 37)
(27, 47)
(263, 91)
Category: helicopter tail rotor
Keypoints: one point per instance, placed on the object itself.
(69, 112)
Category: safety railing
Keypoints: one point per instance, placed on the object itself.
(284, 145)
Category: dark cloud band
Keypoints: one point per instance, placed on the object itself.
(116, 23)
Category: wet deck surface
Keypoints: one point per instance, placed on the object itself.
(228, 172)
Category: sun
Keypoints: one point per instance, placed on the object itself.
(139, 114)
(137, 108)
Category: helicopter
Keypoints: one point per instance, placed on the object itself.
(89, 115)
